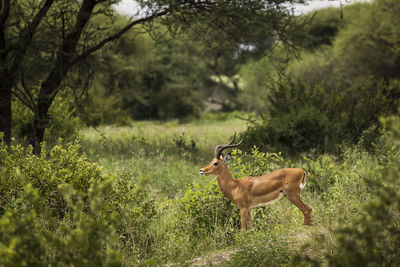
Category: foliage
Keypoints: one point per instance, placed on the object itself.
(135, 214)
(206, 208)
(255, 77)
(45, 172)
(370, 42)
(167, 86)
(337, 90)
(372, 237)
(27, 238)
(19, 240)
(103, 108)
(139, 211)
(150, 207)
(325, 24)
(365, 49)
(59, 208)
(143, 78)
(364, 45)
(314, 64)
(255, 163)
(62, 122)
(304, 117)
(85, 234)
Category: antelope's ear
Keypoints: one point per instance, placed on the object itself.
(227, 158)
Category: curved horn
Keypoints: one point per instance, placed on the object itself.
(233, 139)
(220, 148)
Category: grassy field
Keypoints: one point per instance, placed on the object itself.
(169, 155)
(135, 198)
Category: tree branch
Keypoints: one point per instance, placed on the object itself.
(5, 13)
(21, 96)
(25, 39)
(118, 34)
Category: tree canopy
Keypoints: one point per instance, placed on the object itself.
(74, 31)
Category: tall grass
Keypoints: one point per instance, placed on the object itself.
(147, 205)
(169, 155)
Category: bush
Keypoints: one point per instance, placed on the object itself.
(206, 209)
(371, 236)
(321, 117)
(62, 123)
(59, 209)
(87, 235)
(374, 238)
(83, 237)
(292, 133)
(20, 243)
(255, 163)
(45, 172)
(136, 213)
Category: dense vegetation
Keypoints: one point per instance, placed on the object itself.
(122, 186)
(337, 90)
(149, 205)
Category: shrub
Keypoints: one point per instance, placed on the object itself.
(81, 238)
(372, 236)
(321, 117)
(322, 174)
(60, 209)
(62, 123)
(136, 212)
(255, 163)
(45, 172)
(87, 235)
(20, 243)
(206, 209)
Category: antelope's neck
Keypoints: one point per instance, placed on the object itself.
(226, 182)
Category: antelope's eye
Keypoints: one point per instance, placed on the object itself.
(215, 163)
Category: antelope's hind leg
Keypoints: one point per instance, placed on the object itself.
(306, 210)
(245, 216)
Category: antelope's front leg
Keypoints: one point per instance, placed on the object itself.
(244, 218)
(250, 219)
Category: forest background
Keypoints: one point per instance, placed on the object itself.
(131, 108)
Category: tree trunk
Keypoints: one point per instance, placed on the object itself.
(47, 93)
(52, 83)
(9, 66)
(39, 125)
(5, 109)
(5, 86)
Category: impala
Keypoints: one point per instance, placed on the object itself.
(249, 192)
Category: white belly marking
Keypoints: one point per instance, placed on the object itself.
(272, 201)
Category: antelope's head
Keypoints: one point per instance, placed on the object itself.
(219, 160)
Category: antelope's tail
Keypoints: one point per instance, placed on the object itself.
(304, 181)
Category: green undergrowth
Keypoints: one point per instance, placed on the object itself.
(169, 153)
(114, 200)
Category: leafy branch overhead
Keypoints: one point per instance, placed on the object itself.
(61, 36)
